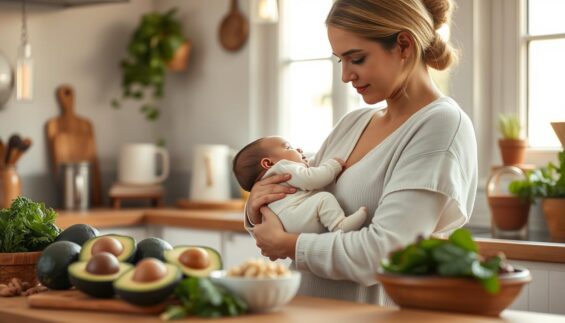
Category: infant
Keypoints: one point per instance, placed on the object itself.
(307, 210)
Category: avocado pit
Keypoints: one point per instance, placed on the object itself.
(107, 244)
(149, 270)
(103, 263)
(196, 258)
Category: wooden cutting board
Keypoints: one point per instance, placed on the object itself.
(76, 300)
(71, 139)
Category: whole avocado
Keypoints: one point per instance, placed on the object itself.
(152, 247)
(52, 266)
(78, 233)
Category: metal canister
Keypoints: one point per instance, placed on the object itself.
(75, 185)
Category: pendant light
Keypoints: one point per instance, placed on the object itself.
(24, 64)
(267, 11)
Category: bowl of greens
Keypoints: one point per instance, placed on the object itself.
(27, 227)
(450, 275)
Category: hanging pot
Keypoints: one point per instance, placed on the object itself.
(179, 62)
(234, 29)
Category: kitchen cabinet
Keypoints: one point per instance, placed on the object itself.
(238, 247)
(546, 292)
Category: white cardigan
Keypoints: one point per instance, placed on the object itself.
(421, 179)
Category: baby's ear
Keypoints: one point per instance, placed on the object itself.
(266, 163)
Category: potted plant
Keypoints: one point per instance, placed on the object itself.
(512, 147)
(157, 45)
(27, 228)
(509, 211)
(547, 183)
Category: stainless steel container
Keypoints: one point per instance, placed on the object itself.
(75, 185)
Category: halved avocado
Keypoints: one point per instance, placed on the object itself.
(127, 254)
(180, 256)
(100, 286)
(147, 293)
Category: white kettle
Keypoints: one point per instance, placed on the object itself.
(211, 173)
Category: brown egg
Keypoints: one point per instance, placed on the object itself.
(107, 244)
(148, 270)
(103, 263)
(196, 258)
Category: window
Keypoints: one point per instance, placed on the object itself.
(545, 43)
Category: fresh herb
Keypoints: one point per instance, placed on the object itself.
(27, 226)
(201, 297)
(509, 126)
(456, 257)
(545, 182)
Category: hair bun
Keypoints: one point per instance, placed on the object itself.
(439, 54)
(440, 11)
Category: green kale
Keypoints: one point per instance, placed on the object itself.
(27, 226)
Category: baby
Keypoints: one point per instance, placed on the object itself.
(307, 210)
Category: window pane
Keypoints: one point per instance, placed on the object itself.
(546, 17)
(307, 103)
(546, 95)
(304, 29)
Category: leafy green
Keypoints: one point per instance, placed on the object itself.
(456, 257)
(201, 297)
(27, 226)
(509, 126)
(545, 182)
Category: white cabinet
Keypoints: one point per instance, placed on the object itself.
(238, 247)
(546, 292)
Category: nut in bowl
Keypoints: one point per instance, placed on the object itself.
(265, 288)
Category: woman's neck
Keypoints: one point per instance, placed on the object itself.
(419, 92)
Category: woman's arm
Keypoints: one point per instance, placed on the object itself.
(264, 192)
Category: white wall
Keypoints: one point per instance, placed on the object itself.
(208, 103)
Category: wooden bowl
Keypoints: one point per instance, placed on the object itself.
(464, 295)
(19, 265)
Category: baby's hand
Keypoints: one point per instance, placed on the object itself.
(341, 162)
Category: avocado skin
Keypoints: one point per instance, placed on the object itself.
(151, 297)
(86, 254)
(152, 247)
(52, 266)
(94, 289)
(78, 233)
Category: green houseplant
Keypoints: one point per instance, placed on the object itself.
(547, 183)
(156, 45)
(512, 147)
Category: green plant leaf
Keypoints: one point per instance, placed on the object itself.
(464, 239)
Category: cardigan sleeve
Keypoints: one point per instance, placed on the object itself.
(356, 255)
(310, 178)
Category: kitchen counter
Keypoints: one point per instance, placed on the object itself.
(233, 221)
(301, 309)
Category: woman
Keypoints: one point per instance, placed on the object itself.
(413, 163)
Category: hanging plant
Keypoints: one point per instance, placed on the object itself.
(157, 45)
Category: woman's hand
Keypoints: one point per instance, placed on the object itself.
(271, 238)
(264, 192)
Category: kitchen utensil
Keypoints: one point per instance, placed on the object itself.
(137, 164)
(13, 144)
(210, 179)
(234, 28)
(75, 300)
(71, 139)
(75, 185)
(21, 149)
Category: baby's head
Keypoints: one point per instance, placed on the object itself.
(253, 160)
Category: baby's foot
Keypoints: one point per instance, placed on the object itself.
(355, 221)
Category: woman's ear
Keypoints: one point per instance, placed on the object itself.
(266, 163)
(405, 44)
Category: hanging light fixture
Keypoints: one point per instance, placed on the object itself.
(267, 11)
(24, 64)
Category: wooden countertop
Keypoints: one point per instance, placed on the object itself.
(301, 309)
(233, 221)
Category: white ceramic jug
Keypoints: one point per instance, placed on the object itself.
(211, 173)
(138, 164)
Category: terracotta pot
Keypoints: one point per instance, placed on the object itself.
(509, 213)
(179, 62)
(465, 295)
(19, 265)
(554, 211)
(513, 151)
(10, 186)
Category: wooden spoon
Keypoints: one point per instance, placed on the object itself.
(234, 29)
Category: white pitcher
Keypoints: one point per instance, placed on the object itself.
(211, 173)
(138, 164)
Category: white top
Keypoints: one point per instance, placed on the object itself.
(421, 179)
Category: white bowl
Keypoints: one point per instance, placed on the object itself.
(260, 294)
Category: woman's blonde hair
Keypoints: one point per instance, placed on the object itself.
(382, 20)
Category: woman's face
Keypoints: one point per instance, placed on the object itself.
(373, 71)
